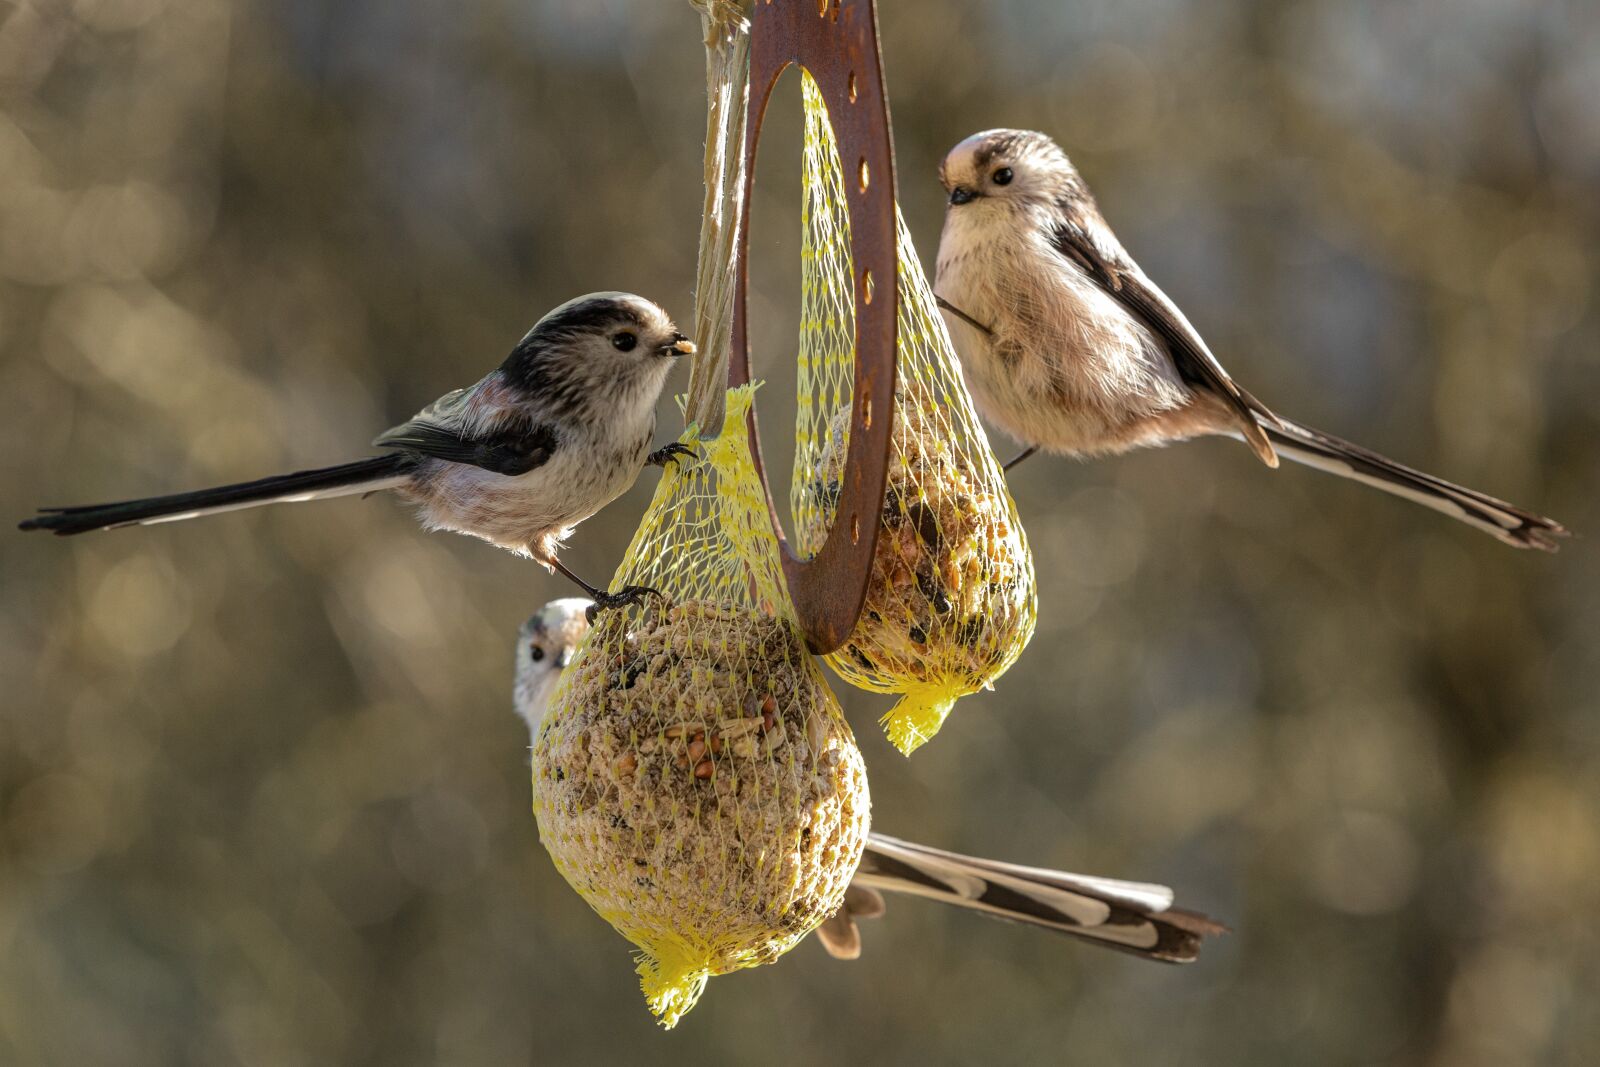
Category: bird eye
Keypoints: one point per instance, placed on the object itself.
(536, 653)
(1002, 176)
(624, 341)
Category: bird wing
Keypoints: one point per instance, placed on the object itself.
(513, 447)
(1117, 273)
(449, 410)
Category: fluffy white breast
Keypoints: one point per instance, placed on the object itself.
(1065, 366)
(532, 513)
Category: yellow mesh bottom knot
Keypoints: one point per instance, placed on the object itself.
(672, 975)
(917, 716)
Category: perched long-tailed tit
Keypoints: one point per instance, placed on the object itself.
(1131, 916)
(1068, 347)
(556, 433)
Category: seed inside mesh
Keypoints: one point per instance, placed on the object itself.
(946, 597)
(697, 783)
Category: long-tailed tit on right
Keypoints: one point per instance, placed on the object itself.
(1068, 347)
(556, 433)
(1134, 917)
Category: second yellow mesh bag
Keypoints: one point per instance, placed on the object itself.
(951, 601)
(695, 780)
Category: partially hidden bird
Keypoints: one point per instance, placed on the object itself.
(1134, 917)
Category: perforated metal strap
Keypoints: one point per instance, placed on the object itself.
(837, 41)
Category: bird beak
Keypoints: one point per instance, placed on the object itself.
(962, 195)
(678, 346)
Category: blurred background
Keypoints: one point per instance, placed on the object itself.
(262, 797)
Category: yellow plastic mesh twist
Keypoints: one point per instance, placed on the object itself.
(695, 780)
(951, 600)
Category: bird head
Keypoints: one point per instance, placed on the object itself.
(602, 354)
(545, 645)
(1007, 167)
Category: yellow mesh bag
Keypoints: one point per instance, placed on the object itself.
(951, 600)
(695, 780)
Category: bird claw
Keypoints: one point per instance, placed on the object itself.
(670, 453)
(624, 597)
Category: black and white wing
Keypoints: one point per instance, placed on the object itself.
(1085, 239)
(454, 428)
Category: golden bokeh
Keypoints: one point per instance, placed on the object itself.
(262, 796)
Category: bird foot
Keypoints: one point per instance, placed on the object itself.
(631, 594)
(670, 453)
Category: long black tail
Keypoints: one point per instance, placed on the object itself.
(1130, 916)
(1507, 522)
(364, 475)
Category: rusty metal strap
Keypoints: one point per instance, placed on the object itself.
(837, 41)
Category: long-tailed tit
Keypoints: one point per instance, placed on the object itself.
(557, 432)
(1131, 916)
(1068, 347)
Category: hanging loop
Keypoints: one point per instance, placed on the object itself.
(837, 42)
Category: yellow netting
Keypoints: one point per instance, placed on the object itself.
(695, 780)
(950, 604)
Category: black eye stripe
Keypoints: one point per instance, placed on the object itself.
(596, 314)
(584, 318)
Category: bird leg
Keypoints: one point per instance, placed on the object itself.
(963, 316)
(669, 454)
(604, 601)
(975, 324)
(1019, 457)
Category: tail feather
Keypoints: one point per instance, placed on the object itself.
(366, 475)
(1506, 522)
(1133, 917)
